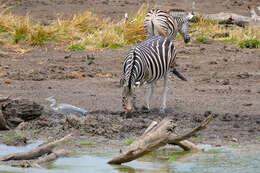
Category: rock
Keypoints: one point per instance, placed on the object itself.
(67, 56)
(243, 75)
(236, 125)
(225, 82)
(234, 139)
(247, 104)
(16, 141)
(19, 110)
(7, 81)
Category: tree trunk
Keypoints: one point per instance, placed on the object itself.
(51, 157)
(232, 18)
(37, 152)
(156, 136)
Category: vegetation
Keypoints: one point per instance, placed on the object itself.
(235, 145)
(88, 31)
(212, 30)
(249, 43)
(89, 143)
(129, 140)
(197, 138)
(77, 46)
(176, 155)
(230, 40)
(202, 38)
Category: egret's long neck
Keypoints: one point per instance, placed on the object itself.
(53, 104)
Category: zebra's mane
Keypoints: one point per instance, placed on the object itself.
(176, 10)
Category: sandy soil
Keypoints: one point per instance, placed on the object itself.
(222, 79)
(47, 10)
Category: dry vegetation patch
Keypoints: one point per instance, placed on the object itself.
(86, 30)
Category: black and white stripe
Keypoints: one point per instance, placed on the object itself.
(148, 62)
(167, 23)
(182, 18)
(159, 22)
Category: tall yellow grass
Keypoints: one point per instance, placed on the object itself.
(86, 29)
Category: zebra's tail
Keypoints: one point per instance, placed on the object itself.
(178, 74)
(129, 73)
(152, 24)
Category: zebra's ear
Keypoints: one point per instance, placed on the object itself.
(189, 16)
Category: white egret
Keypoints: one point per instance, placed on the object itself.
(65, 108)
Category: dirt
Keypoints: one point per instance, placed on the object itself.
(222, 79)
(45, 11)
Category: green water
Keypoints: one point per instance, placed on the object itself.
(213, 160)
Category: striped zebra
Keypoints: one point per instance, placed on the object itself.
(180, 13)
(146, 63)
(167, 24)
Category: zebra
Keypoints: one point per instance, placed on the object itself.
(180, 13)
(167, 23)
(146, 63)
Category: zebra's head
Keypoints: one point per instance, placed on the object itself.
(182, 18)
(184, 28)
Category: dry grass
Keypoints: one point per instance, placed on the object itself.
(133, 30)
(88, 31)
(212, 30)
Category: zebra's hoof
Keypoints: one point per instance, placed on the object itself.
(162, 111)
(128, 114)
(145, 109)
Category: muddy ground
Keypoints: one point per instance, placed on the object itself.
(222, 79)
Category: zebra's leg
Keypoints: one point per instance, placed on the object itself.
(127, 101)
(165, 92)
(149, 94)
(134, 99)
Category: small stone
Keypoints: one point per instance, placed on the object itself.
(7, 81)
(213, 63)
(67, 56)
(234, 139)
(226, 82)
(247, 104)
(3, 75)
(236, 125)
(251, 130)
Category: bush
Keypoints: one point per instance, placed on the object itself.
(249, 43)
(202, 38)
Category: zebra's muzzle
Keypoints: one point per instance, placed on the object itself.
(187, 40)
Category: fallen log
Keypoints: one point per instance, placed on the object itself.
(51, 157)
(232, 18)
(185, 144)
(37, 152)
(156, 136)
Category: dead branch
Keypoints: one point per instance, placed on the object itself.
(232, 18)
(155, 137)
(37, 152)
(187, 145)
(51, 157)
